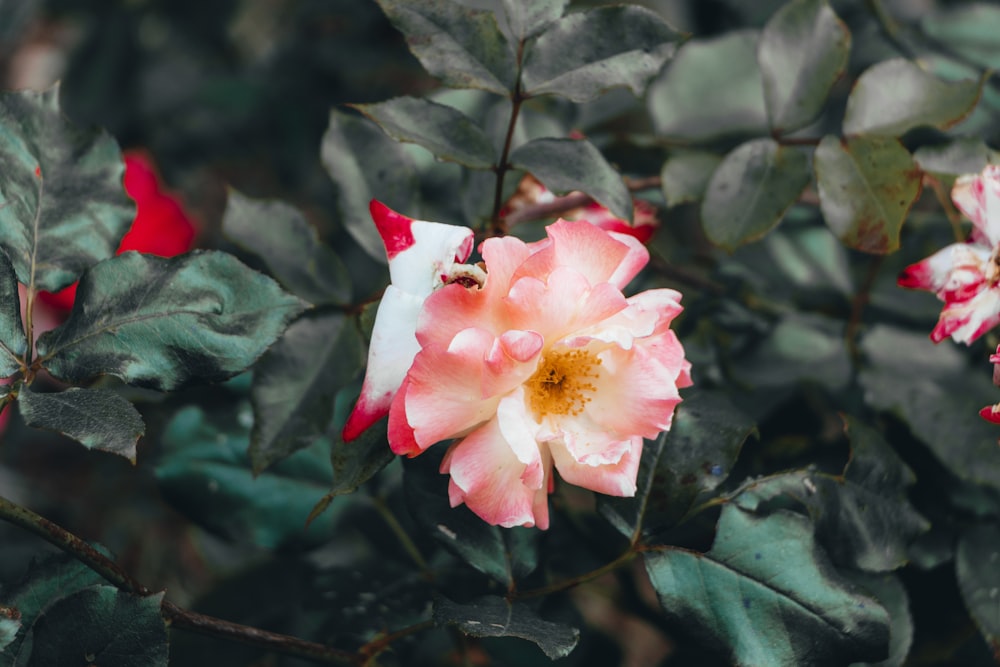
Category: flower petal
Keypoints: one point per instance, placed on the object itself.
(956, 272)
(978, 197)
(965, 321)
(615, 478)
(390, 354)
(444, 398)
(601, 256)
(991, 413)
(487, 476)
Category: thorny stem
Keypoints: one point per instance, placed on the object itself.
(180, 618)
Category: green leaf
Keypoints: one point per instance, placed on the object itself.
(62, 204)
(13, 340)
(204, 474)
(296, 381)
(96, 418)
(966, 155)
(366, 164)
(967, 29)
(282, 237)
(568, 164)
(690, 460)
(685, 175)
(492, 616)
(866, 188)
(483, 546)
(862, 517)
(46, 580)
(461, 46)
(100, 625)
(592, 51)
(931, 389)
(527, 19)
(803, 51)
(712, 88)
(766, 595)
(164, 323)
(977, 565)
(750, 191)
(891, 594)
(802, 347)
(444, 131)
(897, 95)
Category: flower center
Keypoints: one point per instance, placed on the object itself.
(561, 385)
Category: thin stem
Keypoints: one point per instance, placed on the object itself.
(890, 29)
(397, 529)
(861, 300)
(376, 646)
(954, 217)
(579, 579)
(174, 615)
(499, 225)
(182, 619)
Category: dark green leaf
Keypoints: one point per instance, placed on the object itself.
(967, 155)
(527, 19)
(866, 187)
(46, 581)
(765, 593)
(366, 164)
(493, 616)
(898, 95)
(685, 176)
(204, 473)
(751, 190)
(13, 340)
(592, 51)
(968, 29)
(803, 51)
(712, 88)
(567, 164)
(163, 323)
(931, 389)
(978, 568)
(295, 383)
(62, 204)
(461, 46)
(444, 131)
(102, 626)
(862, 517)
(890, 592)
(281, 236)
(96, 418)
(802, 347)
(692, 458)
(476, 542)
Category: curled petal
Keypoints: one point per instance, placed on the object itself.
(615, 478)
(489, 478)
(978, 197)
(956, 272)
(965, 321)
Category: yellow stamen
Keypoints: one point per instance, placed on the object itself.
(560, 386)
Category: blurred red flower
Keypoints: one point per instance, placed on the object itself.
(161, 226)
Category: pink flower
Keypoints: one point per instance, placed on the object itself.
(423, 256)
(965, 275)
(543, 364)
(991, 413)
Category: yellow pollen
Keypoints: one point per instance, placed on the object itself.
(561, 386)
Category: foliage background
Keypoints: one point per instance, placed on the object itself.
(787, 334)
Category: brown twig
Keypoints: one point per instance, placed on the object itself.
(571, 201)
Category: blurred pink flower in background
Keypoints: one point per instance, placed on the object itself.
(541, 362)
(965, 275)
